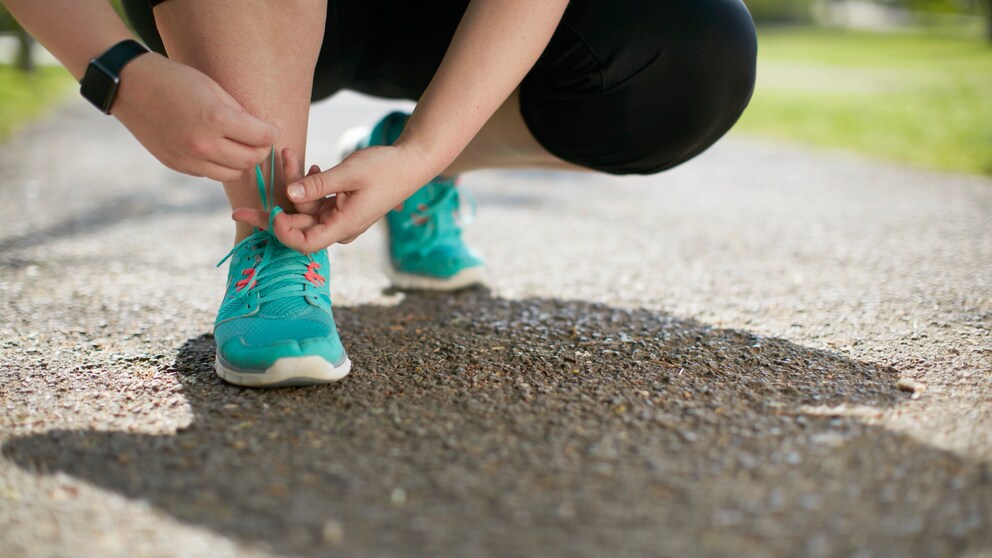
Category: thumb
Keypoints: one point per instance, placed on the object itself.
(314, 187)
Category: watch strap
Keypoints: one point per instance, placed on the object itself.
(107, 67)
(120, 54)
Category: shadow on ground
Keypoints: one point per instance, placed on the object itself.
(474, 425)
(107, 214)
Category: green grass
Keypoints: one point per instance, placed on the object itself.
(24, 97)
(917, 98)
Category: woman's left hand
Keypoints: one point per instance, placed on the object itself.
(365, 186)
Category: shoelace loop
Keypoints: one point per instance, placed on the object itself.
(276, 273)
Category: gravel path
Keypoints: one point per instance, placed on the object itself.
(701, 363)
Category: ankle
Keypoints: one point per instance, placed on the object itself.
(241, 232)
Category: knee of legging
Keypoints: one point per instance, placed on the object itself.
(687, 96)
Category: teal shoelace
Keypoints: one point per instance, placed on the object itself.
(279, 272)
(439, 227)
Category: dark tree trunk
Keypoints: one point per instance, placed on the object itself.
(988, 19)
(25, 61)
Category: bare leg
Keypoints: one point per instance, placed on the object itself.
(505, 142)
(262, 53)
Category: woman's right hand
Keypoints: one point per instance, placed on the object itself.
(188, 122)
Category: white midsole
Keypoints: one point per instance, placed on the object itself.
(464, 278)
(288, 370)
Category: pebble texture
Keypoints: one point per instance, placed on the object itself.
(766, 352)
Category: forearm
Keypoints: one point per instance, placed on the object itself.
(495, 45)
(75, 31)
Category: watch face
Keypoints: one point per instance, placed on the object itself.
(99, 86)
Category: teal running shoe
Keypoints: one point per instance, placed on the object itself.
(275, 327)
(424, 236)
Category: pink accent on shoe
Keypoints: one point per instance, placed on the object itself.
(250, 272)
(316, 279)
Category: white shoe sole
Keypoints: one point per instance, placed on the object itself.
(465, 278)
(288, 371)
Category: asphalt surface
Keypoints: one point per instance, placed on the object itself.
(700, 363)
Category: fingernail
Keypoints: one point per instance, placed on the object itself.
(295, 191)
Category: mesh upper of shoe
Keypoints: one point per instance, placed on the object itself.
(298, 309)
(261, 332)
(275, 295)
(426, 231)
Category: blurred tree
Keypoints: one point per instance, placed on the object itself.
(25, 60)
(25, 56)
(936, 6)
(952, 6)
(780, 11)
(800, 11)
(988, 19)
(7, 22)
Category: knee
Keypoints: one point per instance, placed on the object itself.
(693, 75)
(698, 95)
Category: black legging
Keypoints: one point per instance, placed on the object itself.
(624, 86)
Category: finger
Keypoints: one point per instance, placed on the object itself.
(181, 169)
(289, 235)
(291, 230)
(290, 165)
(245, 128)
(291, 172)
(217, 172)
(309, 234)
(254, 217)
(319, 185)
(298, 221)
(309, 207)
(236, 155)
(351, 238)
(283, 222)
(226, 97)
(332, 228)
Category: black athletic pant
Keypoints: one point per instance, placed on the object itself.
(624, 86)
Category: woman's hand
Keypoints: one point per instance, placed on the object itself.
(184, 118)
(188, 122)
(365, 186)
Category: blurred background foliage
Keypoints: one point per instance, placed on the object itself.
(780, 11)
(803, 11)
(906, 80)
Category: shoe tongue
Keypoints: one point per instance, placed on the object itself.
(284, 307)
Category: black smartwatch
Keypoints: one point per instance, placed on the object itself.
(103, 76)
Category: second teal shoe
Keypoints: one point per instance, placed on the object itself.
(424, 235)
